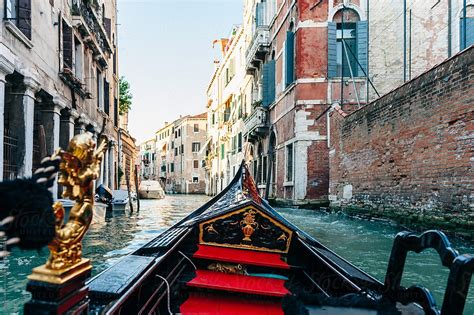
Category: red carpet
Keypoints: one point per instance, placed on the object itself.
(241, 256)
(209, 305)
(239, 283)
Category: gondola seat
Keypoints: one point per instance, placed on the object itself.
(239, 283)
(209, 304)
(242, 256)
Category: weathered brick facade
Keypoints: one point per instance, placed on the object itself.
(410, 154)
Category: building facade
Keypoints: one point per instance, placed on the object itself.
(228, 95)
(58, 78)
(148, 163)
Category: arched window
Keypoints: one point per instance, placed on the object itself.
(347, 44)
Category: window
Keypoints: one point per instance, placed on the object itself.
(196, 163)
(78, 55)
(100, 90)
(19, 13)
(182, 149)
(172, 167)
(239, 142)
(179, 132)
(196, 127)
(176, 151)
(466, 28)
(289, 162)
(289, 57)
(347, 44)
(106, 97)
(196, 147)
(268, 85)
(346, 61)
(195, 179)
(67, 46)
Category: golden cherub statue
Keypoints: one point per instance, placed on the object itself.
(80, 166)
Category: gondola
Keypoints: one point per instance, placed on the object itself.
(237, 255)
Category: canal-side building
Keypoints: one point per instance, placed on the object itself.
(163, 139)
(185, 172)
(148, 168)
(128, 159)
(300, 71)
(228, 104)
(58, 78)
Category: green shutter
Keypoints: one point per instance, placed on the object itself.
(362, 42)
(469, 33)
(268, 83)
(222, 152)
(290, 58)
(332, 50)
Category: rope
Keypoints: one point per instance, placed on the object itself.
(168, 293)
(189, 259)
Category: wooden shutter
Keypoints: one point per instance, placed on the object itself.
(106, 97)
(362, 42)
(67, 45)
(469, 33)
(268, 83)
(259, 14)
(290, 58)
(24, 17)
(332, 50)
(108, 27)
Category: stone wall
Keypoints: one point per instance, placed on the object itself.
(409, 155)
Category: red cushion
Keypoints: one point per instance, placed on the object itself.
(216, 305)
(239, 283)
(241, 256)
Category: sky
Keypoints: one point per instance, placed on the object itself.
(166, 54)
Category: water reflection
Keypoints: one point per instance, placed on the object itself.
(366, 244)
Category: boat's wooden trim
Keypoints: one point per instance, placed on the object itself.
(144, 276)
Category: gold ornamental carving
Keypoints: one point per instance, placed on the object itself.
(249, 225)
(79, 167)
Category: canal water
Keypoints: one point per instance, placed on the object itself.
(367, 244)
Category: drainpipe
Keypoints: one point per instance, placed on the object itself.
(409, 52)
(404, 40)
(464, 17)
(367, 52)
(450, 4)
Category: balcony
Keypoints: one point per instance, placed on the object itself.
(93, 32)
(260, 44)
(257, 124)
(258, 48)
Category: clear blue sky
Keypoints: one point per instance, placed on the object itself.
(166, 54)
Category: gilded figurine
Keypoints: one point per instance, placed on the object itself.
(79, 167)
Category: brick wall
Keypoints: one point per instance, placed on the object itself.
(410, 154)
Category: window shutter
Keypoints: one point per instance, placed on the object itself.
(469, 33)
(106, 97)
(24, 17)
(108, 27)
(362, 42)
(259, 15)
(290, 58)
(67, 45)
(268, 82)
(332, 50)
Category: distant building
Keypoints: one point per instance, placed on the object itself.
(175, 156)
(185, 172)
(58, 78)
(147, 160)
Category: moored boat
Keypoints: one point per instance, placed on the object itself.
(150, 189)
(237, 255)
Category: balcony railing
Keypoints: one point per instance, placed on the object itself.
(91, 28)
(260, 44)
(257, 124)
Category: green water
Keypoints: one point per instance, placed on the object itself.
(366, 244)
